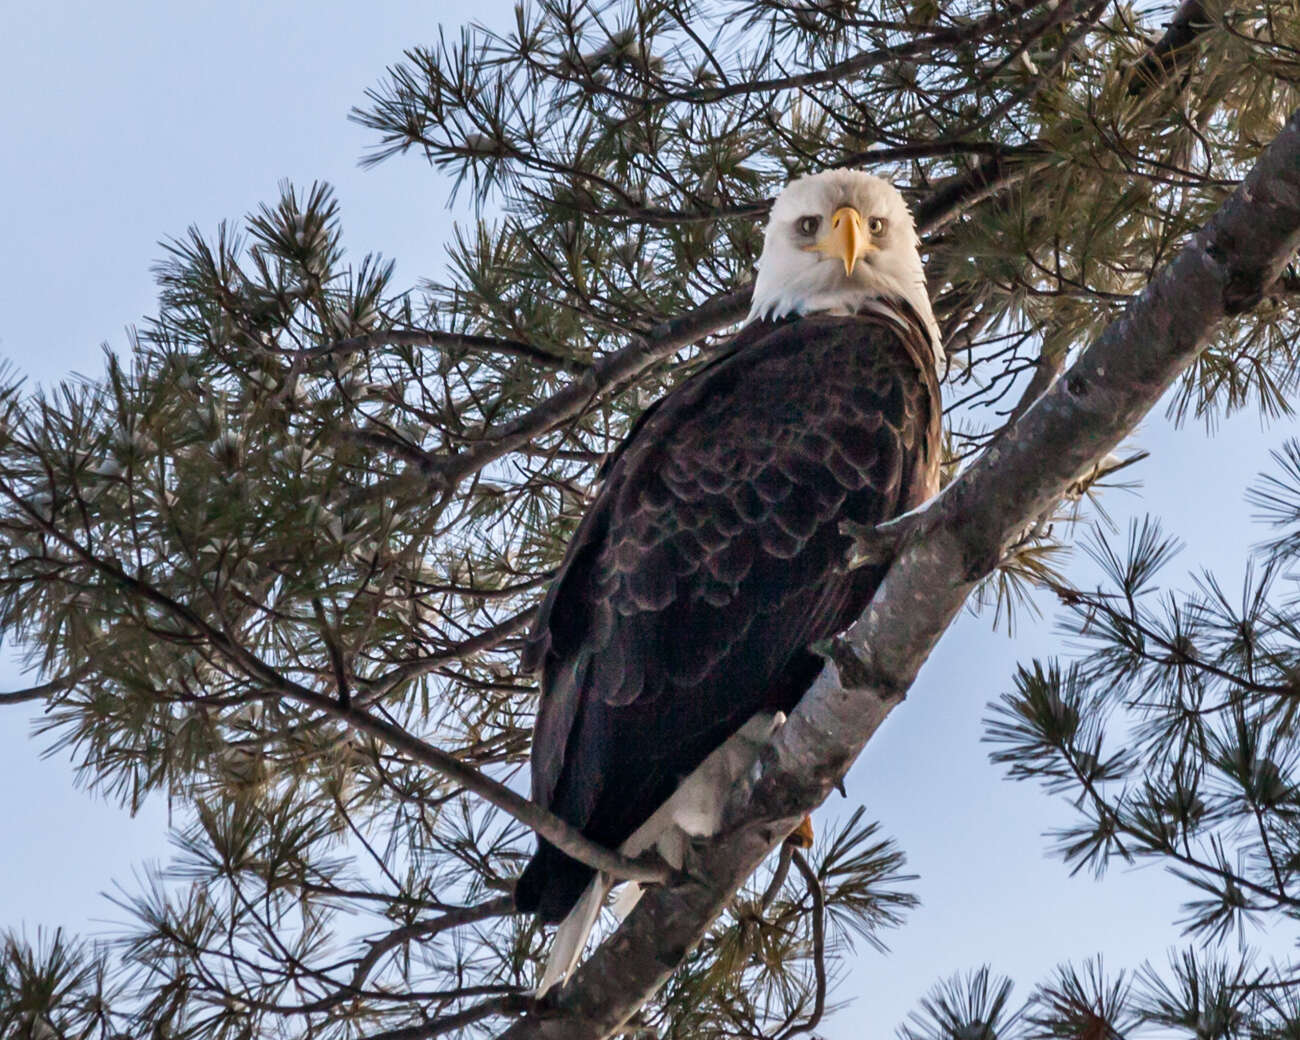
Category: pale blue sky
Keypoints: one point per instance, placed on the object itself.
(123, 124)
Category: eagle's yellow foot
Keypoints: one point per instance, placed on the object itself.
(802, 836)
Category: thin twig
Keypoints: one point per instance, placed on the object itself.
(446, 340)
(36, 693)
(778, 876)
(335, 649)
(456, 918)
(443, 1024)
(819, 946)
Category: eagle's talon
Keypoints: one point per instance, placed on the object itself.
(874, 543)
(802, 836)
(652, 858)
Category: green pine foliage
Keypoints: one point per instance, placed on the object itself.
(1171, 734)
(307, 495)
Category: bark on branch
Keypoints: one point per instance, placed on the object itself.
(959, 538)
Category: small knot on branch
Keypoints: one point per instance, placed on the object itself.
(857, 671)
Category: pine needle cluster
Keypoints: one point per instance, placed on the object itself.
(1171, 733)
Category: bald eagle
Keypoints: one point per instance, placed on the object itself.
(678, 630)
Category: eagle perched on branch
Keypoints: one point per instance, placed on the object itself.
(678, 631)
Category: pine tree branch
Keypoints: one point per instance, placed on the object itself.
(958, 194)
(447, 341)
(40, 692)
(1173, 51)
(660, 343)
(1004, 168)
(946, 38)
(546, 824)
(420, 930)
(275, 684)
(335, 647)
(1166, 56)
(485, 592)
(1224, 270)
(448, 1023)
(950, 145)
(355, 988)
(819, 947)
(415, 667)
(668, 337)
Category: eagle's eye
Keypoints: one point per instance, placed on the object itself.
(809, 225)
(876, 225)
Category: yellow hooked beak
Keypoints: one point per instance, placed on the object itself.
(845, 240)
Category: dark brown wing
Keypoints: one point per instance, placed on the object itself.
(712, 558)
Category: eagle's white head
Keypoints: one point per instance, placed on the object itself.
(836, 241)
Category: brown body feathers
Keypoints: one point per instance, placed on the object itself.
(712, 559)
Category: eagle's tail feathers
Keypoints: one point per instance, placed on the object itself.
(625, 902)
(693, 810)
(571, 937)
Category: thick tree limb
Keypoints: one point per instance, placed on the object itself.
(960, 538)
